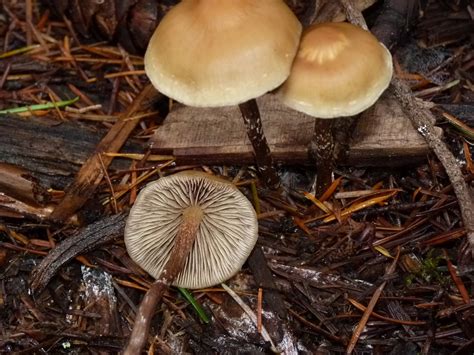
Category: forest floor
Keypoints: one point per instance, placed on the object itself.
(391, 239)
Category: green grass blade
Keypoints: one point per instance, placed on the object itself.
(38, 107)
(461, 126)
(18, 51)
(197, 307)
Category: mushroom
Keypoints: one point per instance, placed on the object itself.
(190, 230)
(340, 70)
(225, 52)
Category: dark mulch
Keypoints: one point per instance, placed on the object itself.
(390, 237)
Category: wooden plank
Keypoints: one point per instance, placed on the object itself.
(382, 135)
(385, 136)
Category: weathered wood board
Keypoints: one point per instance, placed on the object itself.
(381, 136)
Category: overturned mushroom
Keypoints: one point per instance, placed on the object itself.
(225, 52)
(190, 230)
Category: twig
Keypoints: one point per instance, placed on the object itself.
(362, 308)
(85, 240)
(420, 117)
(422, 120)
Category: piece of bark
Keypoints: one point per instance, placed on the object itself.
(51, 151)
(11, 207)
(98, 296)
(217, 136)
(18, 183)
(264, 279)
(92, 236)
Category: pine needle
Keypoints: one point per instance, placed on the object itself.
(38, 107)
(196, 305)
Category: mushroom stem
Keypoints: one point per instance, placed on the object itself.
(183, 243)
(263, 157)
(321, 151)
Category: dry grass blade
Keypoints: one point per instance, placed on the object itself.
(317, 202)
(151, 157)
(18, 51)
(457, 280)
(361, 307)
(331, 189)
(357, 206)
(462, 127)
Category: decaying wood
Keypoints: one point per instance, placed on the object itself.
(92, 172)
(13, 208)
(264, 279)
(49, 151)
(218, 135)
(375, 133)
(18, 183)
(97, 295)
(85, 240)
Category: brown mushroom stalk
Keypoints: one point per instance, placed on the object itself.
(183, 243)
(263, 157)
(321, 151)
(340, 70)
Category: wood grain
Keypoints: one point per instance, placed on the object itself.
(382, 135)
(52, 152)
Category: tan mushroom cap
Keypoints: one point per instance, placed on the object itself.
(210, 53)
(339, 70)
(226, 236)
